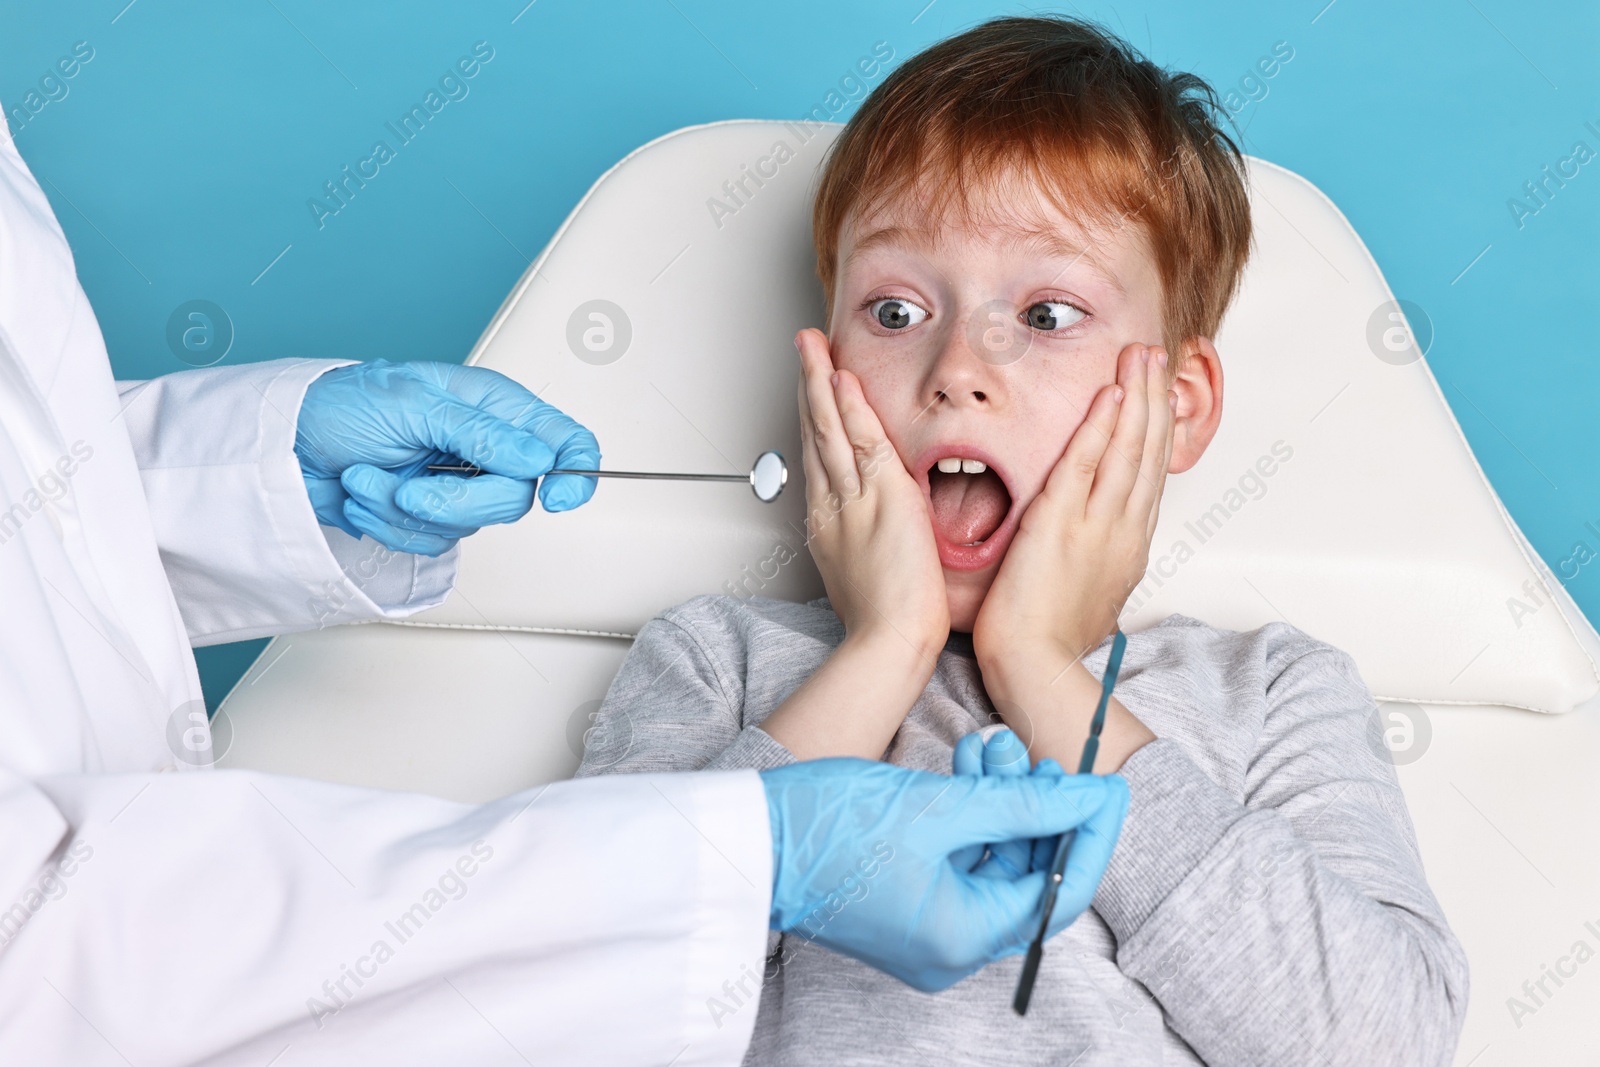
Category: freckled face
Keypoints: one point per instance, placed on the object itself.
(987, 344)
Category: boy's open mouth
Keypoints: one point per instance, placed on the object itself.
(970, 506)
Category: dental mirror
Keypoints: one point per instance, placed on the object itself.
(767, 477)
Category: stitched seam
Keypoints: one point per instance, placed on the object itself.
(716, 668)
(486, 628)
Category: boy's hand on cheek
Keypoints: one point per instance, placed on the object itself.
(1080, 549)
(871, 536)
(868, 520)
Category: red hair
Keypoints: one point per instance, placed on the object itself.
(1107, 135)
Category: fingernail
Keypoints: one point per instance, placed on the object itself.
(833, 379)
(1172, 401)
(1162, 358)
(1144, 355)
(797, 342)
(1116, 394)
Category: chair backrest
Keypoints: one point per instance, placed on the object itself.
(1339, 494)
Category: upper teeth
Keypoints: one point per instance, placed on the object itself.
(957, 465)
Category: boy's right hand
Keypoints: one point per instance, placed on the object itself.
(867, 521)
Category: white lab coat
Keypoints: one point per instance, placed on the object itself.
(224, 917)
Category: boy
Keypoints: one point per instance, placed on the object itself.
(1014, 233)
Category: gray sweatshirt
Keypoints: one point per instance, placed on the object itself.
(1265, 904)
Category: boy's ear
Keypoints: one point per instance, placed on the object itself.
(1198, 384)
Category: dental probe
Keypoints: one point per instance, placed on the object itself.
(767, 477)
(1091, 748)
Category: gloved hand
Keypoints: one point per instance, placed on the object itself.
(866, 861)
(367, 432)
(996, 752)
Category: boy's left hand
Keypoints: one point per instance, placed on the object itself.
(1084, 542)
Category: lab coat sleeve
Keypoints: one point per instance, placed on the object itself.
(242, 548)
(223, 917)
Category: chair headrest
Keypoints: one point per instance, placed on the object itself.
(1339, 494)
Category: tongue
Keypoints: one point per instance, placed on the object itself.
(967, 507)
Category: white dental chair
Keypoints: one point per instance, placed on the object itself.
(1378, 533)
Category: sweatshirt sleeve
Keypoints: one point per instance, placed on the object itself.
(1296, 926)
(672, 707)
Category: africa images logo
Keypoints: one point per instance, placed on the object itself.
(452, 87)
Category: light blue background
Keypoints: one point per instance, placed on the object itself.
(182, 157)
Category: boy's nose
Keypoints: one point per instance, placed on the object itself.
(967, 367)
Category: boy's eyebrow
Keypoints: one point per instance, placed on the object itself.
(891, 235)
(1048, 241)
(1057, 245)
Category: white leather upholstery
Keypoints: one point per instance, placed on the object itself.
(1506, 809)
(706, 384)
(464, 714)
(1378, 534)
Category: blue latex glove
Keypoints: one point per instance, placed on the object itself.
(865, 860)
(1003, 755)
(367, 432)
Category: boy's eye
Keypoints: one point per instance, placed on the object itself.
(1053, 316)
(893, 314)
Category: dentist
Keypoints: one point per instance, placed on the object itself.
(156, 911)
